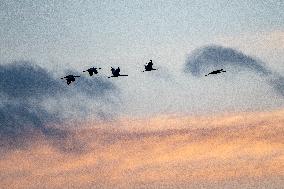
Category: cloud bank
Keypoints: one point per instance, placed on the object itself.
(33, 100)
(26, 91)
(230, 151)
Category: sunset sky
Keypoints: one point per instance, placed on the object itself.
(169, 128)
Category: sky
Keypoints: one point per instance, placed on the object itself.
(75, 35)
(242, 150)
(98, 124)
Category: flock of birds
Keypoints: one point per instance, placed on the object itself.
(116, 72)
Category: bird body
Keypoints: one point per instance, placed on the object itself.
(149, 66)
(116, 72)
(92, 71)
(216, 72)
(70, 78)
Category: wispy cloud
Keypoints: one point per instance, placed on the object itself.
(208, 58)
(219, 57)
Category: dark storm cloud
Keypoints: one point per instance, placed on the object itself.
(23, 89)
(220, 57)
(217, 57)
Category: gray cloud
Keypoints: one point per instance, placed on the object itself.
(95, 86)
(25, 80)
(19, 121)
(205, 59)
(24, 87)
(15, 116)
(219, 57)
(277, 82)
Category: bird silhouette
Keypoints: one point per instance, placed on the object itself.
(92, 71)
(70, 78)
(216, 72)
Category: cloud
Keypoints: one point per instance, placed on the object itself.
(208, 58)
(277, 82)
(267, 45)
(219, 57)
(95, 86)
(15, 117)
(222, 151)
(163, 74)
(26, 90)
(25, 80)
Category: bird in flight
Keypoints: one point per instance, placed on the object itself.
(216, 72)
(70, 78)
(115, 72)
(92, 71)
(149, 66)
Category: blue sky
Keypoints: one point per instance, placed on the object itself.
(72, 33)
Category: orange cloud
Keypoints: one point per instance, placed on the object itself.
(238, 150)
